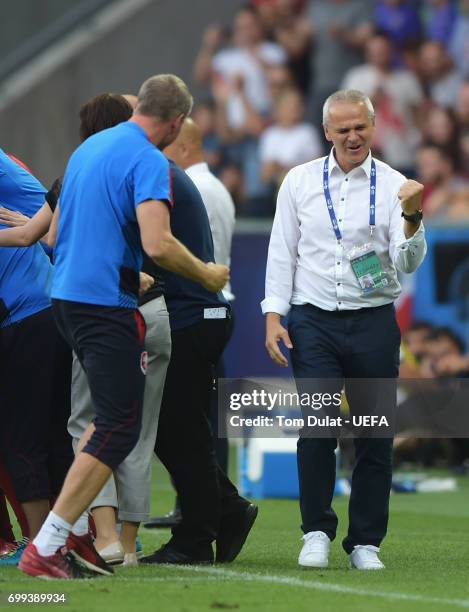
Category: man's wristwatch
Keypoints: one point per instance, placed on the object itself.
(415, 217)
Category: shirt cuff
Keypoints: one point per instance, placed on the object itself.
(416, 240)
(274, 304)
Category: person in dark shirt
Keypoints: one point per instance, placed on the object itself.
(200, 328)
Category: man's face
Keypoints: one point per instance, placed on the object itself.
(246, 30)
(350, 129)
(379, 53)
(415, 340)
(432, 60)
(432, 168)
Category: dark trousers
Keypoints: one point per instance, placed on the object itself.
(185, 441)
(108, 341)
(345, 344)
(35, 406)
(217, 423)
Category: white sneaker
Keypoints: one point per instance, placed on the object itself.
(366, 558)
(315, 551)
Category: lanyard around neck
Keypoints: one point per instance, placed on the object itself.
(330, 205)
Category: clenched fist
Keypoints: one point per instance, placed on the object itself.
(213, 36)
(216, 277)
(410, 195)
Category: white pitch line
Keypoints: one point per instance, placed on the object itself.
(321, 586)
(217, 574)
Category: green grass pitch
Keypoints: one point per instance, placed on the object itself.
(426, 554)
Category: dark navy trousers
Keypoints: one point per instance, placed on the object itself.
(345, 344)
(109, 343)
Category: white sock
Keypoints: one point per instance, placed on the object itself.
(53, 535)
(81, 526)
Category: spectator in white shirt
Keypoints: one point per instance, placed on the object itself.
(238, 76)
(290, 141)
(396, 95)
(340, 327)
(248, 57)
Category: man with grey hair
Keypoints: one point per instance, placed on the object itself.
(344, 225)
(164, 96)
(114, 205)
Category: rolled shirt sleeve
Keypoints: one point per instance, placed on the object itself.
(406, 253)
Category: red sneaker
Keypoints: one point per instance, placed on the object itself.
(82, 548)
(6, 547)
(58, 565)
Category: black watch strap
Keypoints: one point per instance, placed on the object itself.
(415, 217)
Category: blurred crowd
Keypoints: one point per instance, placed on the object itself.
(267, 74)
(429, 351)
(435, 353)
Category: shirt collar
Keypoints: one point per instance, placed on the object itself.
(200, 167)
(136, 127)
(365, 165)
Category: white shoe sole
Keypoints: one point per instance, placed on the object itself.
(322, 565)
(365, 569)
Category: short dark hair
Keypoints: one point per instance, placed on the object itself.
(384, 35)
(441, 150)
(420, 326)
(248, 8)
(101, 112)
(439, 333)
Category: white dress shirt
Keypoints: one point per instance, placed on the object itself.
(307, 265)
(289, 146)
(221, 214)
(229, 63)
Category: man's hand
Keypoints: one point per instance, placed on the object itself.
(146, 281)
(450, 365)
(213, 36)
(410, 195)
(221, 90)
(274, 333)
(216, 277)
(12, 218)
(239, 82)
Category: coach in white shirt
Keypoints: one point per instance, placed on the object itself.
(341, 315)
